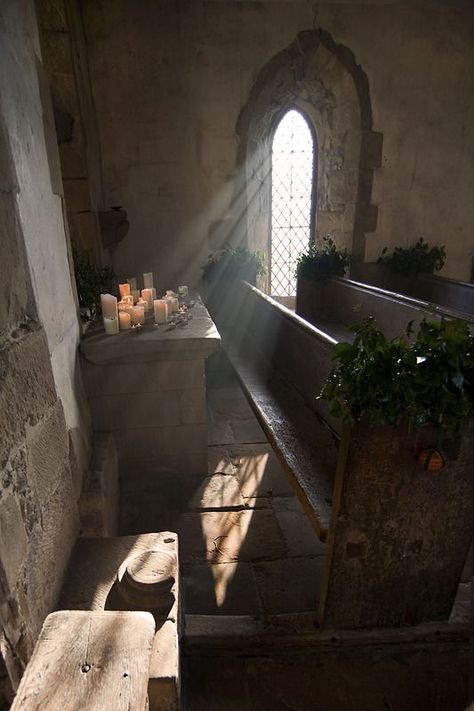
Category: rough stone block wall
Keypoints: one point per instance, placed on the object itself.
(44, 437)
(65, 61)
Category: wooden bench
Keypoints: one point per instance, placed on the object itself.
(267, 361)
(397, 536)
(341, 303)
(431, 288)
(89, 660)
(91, 584)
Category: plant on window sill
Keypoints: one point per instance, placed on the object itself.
(91, 282)
(236, 262)
(429, 383)
(322, 261)
(419, 258)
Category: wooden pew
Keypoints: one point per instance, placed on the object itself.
(397, 536)
(89, 660)
(450, 293)
(341, 303)
(265, 347)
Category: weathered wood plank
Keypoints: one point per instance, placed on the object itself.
(400, 534)
(305, 447)
(290, 634)
(89, 584)
(339, 304)
(89, 660)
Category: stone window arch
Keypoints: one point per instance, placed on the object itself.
(322, 80)
(294, 160)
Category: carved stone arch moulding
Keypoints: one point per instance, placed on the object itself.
(323, 80)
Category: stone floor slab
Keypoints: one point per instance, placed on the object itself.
(223, 589)
(289, 585)
(216, 684)
(259, 471)
(229, 404)
(247, 431)
(219, 491)
(227, 536)
(299, 534)
(220, 433)
(364, 680)
(220, 460)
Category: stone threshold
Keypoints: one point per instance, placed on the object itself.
(290, 634)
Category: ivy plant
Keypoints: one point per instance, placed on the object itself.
(91, 282)
(426, 383)
(419, 258)
(236, 260)
(322, 261)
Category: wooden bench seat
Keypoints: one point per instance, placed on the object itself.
(305, 446)
(281, 362)
(89, 585)
(337, 305)
(89, 660)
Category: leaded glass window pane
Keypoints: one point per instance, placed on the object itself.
(292, 189)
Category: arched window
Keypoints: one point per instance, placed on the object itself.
(293, 162)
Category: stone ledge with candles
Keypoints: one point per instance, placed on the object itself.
(135, 307)
(147, 386)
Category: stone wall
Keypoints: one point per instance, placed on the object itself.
(65, 61)
(170, 80)
(44, 427)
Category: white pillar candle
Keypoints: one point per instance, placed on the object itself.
(147, 294)
(125, 320)
(108, 304)
(124, 290)
(138, 315)
(160, 308)
(144, 303)
(183, 290)
(111, 326)
(148, 280)
(169, 304)
(133, 284)
(136, 295)
(175, 304)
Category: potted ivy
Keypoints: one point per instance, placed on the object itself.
(315, 269)
(226, 267)
(404, 495)
(416, 259)
(423, 383)
(91, 282)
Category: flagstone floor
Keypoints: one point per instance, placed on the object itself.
(247, 548)
(246, 545)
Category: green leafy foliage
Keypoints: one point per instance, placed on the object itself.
(236, 261)
(322, 261)
(429, 383)
(91, 282)
(417, 259)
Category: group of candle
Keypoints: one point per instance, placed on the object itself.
(131, 310)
